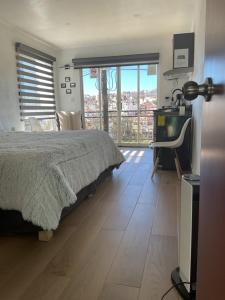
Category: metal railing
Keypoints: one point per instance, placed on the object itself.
(121, 126)
(137, 112)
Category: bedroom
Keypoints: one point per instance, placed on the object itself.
(98, 123)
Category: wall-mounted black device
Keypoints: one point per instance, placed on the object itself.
(183, 50)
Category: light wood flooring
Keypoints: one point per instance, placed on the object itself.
(120, 244)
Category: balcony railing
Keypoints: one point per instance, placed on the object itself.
(128, 126)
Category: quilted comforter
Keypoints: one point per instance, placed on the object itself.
(41, 173)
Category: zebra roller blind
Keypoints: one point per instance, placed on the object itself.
(35, 83)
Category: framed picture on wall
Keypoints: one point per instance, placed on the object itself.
(67, 67)
(72, 84)
(68, 91)
(181, 58)
(63, 85)
(67, 79)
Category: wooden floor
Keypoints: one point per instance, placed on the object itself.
(120, 244)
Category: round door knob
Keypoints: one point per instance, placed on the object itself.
(192, 90)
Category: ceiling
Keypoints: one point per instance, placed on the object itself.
(85, 23)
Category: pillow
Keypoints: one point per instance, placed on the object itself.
(48, 125)
(64, 120)
(75, 118)
(1, 126)
(69, 120)
(35, 124)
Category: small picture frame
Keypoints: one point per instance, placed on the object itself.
(67, 79)
(181, 57)
(67, 67)
(72, 84)
(63, 85)
(68, 91)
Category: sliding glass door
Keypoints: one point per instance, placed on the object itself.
(147, 101)
(121, 101)
(92, 99)
(129, 104)
(113, 108)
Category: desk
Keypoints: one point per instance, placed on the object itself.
(167, 127)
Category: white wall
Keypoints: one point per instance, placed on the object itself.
(198, 76)
(69, 102)
(163, 45)
(9, 109)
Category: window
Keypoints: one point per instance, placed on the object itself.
(35, 83)
(120, 94)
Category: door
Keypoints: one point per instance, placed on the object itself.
(113, 106)
(121, 100)
(129, 105)
(211, 250)
(92, 100)
(138, 97)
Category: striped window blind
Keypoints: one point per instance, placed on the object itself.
(35, 83)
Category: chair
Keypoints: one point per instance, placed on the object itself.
(173, 145)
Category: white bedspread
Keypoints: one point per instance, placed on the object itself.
(41, 173)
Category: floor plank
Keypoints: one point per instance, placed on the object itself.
(32, 262)
(123, 208)
(162, 260)
(119, 292)
(140, 174)
(149, 193)
(12, 250)
(128, 266)
(88, 283)
(165, 219)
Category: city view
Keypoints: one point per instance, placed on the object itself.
(130, 118)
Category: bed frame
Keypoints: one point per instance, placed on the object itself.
(12, 222)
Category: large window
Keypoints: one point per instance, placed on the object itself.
(35, 83)
(126, 104)
(147, 101)
(129, 104)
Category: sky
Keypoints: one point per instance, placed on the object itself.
(128, 80)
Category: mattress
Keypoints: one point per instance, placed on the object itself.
(41, 173)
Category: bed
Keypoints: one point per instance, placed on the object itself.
(43, 175)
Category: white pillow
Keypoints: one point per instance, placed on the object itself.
(69, 120)
(35, 124)
(64, 120)
(75, 118)
(3, 126)
(48, 125)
